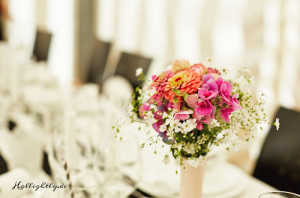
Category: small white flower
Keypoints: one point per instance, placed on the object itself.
(277, 124)
(166, 159)
(153, 107)
(163, 128)
(169, 121)
(130, 109)
(150, 117)
(175, 125)
(215, 123)
(152, 92)
(188, 125)
(165, 115)
(139, 71)
(195, 162)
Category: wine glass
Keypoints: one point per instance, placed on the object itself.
(74, 185)
(279, 194)
(73, 151)
(71, 164)
(122, 166)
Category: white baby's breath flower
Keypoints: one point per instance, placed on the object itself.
(277, 124)
(152, 92)
(139, 71)
(195, 162)
(163, 128)
(153, 107)
(130, 108)
(166, 159)
(165, 115)
(215, 123)
(150, 117)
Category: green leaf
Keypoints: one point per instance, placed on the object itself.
(175, 100)
(179, 93)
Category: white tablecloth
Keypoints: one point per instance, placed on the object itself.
(255, 187)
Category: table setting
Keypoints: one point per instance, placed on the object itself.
(117, 142)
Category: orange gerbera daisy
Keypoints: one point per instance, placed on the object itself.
(186, 81)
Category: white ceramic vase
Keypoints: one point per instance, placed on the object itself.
(191, 182)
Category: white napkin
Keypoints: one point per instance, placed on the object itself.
(21, 150)
(8, 181)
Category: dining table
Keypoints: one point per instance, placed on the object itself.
(222, 179)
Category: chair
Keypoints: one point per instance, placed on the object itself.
(1, 30)
(279, 161)
(98, 61)
(42, 45)
(129, 63)
(3, 165)
(11, 125)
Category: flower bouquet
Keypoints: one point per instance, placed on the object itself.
(194, 108)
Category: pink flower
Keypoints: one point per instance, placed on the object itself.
(144, 108)
(209, 89)
(159, 83)
(200, 69)
(234, 105)
(157, 115)
(209, 82)
(199, 125)
(205, 108)
(197, 116)
(225, 113)
(207, 95)
(219, 82)
(177, 106)
(206, 119)
(213, 71)
(206, 78)
(192, 100)
(225, 92)
(157, 125)
(183, 115)
(154, 77)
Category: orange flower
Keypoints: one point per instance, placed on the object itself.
(185, 81)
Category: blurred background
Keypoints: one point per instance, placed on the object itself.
(262, 35)
(67, 65)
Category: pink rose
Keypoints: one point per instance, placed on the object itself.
(192, 100)
(199, 69)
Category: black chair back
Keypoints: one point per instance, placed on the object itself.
(129, 63)
(3, 165)
(279, 161)
(42, 45)
(1, 31)
(98, 61)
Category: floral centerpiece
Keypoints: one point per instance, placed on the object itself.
(194, 107)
